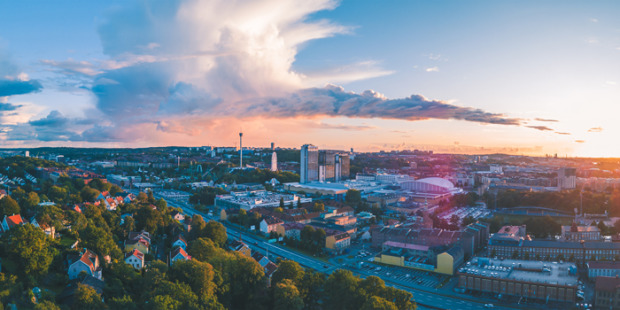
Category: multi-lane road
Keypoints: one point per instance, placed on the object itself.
(426, 298)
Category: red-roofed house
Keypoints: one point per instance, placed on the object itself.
(87, 262)
(110, 204)
(180, 242)
(179, 254)
(135, 258)
(10, 221)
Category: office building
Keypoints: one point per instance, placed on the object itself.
(567, 178)
(309, 170)
(323, 166)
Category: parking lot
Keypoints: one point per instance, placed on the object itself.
(475, 212)
(405, 275)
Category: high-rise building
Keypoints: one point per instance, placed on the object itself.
(273, 147)
(324, 165)
(343, 167)
(567, 178)
(309, 170)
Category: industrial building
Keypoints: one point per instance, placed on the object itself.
(607, 293)
(260, 198)
(539, 280)
(440, 259)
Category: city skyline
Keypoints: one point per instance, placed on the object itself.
(477, 77)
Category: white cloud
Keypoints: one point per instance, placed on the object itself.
(432, 69)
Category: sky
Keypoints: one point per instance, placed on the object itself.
(475, 77)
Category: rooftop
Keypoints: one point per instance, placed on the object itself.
(552, 273)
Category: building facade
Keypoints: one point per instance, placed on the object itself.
(309, 165)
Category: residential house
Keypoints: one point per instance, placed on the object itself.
(2, 193)
(135, 258)
(138, 241)
(268, 266)
(269, 224)
(240, 247)
(110, 204)
(11, 221)
(290, 230)
(46, 228)
(179, 242)
(178, 254)
(176, 215)
(338, 242)
(88, 262)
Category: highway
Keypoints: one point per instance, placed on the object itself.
(426, 298)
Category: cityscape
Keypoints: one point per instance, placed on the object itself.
(321, 154)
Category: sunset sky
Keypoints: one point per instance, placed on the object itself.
(518, 77)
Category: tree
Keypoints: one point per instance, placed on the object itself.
(57, 194)
(286, 296)
(198, 275)
(402, 299)
(311, 287)
(198, 226)
(30, 248)
(288, 269)
(202, 249)
(340, 291)
(46, 305)
(89, 194)
(87, 298)
(378, 303)
(371, 286)
(122, 303)
(353, 197)
(318, 207)
(8, 206)
(216, 232)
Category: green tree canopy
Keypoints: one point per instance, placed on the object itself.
(8, 206)
(29, 247)
(286, 296)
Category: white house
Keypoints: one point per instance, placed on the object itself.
(135, 258)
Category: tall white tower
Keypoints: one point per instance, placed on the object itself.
(274, 159)
(241, 150)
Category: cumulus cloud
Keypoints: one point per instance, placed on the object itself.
(335, 101)
(595, 129)
(175, 65)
